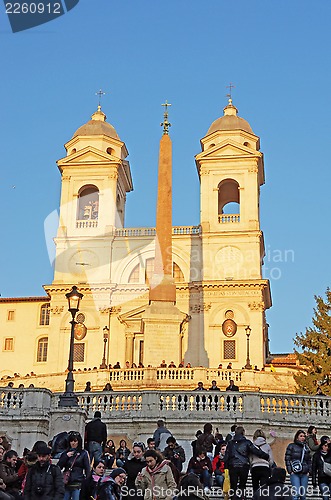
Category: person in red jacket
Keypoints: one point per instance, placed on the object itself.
(218, 466)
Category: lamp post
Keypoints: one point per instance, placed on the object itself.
(68, 398)
(248, 365)
(105, 340)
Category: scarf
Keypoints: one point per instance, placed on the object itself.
(153, 472)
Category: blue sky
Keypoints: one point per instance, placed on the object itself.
(142, 52)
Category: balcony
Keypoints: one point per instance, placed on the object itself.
(83, 224)
(228, 218)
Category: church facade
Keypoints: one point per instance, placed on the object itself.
(216, 266)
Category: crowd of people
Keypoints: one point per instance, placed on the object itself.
(72, 467)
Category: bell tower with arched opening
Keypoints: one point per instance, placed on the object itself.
(95, 179)
(231, 172)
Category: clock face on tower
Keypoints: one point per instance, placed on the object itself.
(83, 261)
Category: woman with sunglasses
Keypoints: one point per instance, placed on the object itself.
(319, 477)
(134, 464)
(156, 479)
(76, 462)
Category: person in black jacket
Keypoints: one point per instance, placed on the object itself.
(275, 488)
(299, 452)
(237, 460)
(96, 436)
(44, 480)
(321, 456)
(77, 461)
(134, 464)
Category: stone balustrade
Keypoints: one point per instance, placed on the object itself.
(152, 378)
(82, 224)
(151, 231)
(30, 414)
(228, 218)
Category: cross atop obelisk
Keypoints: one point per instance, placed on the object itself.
(165, 124)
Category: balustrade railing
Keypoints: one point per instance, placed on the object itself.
(151, 231)
(295, 405)
(11, 399)
(81, 224)
(174, 374)
(228, 218)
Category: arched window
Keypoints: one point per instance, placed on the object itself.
(228, 201)
(134, 276)
(149, 270)
(42, 350)
(177, 273)
(44, 315)
(228, 193)
(88, 203)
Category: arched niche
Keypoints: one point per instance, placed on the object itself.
(88, 203)
(228, 197)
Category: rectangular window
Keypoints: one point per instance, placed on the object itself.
(141, 351)
(44, 315)
(42, 350)
(8, 344)
(229, 349)
(79, 353)
(10, 315)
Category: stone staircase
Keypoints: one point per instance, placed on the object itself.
(312, 493)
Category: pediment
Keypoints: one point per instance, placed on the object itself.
(88, 155)
(228, 149)
(133, 315)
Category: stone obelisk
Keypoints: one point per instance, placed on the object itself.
(162, 319)
(162, 285)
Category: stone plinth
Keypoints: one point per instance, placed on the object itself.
(162, 335)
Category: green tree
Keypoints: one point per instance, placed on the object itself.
(314, 350)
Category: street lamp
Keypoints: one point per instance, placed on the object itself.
(105, 340)
(68, 398)
(248, 365)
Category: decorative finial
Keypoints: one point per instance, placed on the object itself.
(229, 95)
(165, 124)
(100, 94)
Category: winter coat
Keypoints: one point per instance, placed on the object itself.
(96, 431)
(256, 461)
(160, 437)
(294, 452)
(48, 479)
(103, 489)
(10, 478)
(197, 466)
(122, 454)
(312, 443)
(318, 475)
(205, 443)
(239, 450)
(132, 467)
(81, 466)
(218, 465)
(170, 452)
(158, 483)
